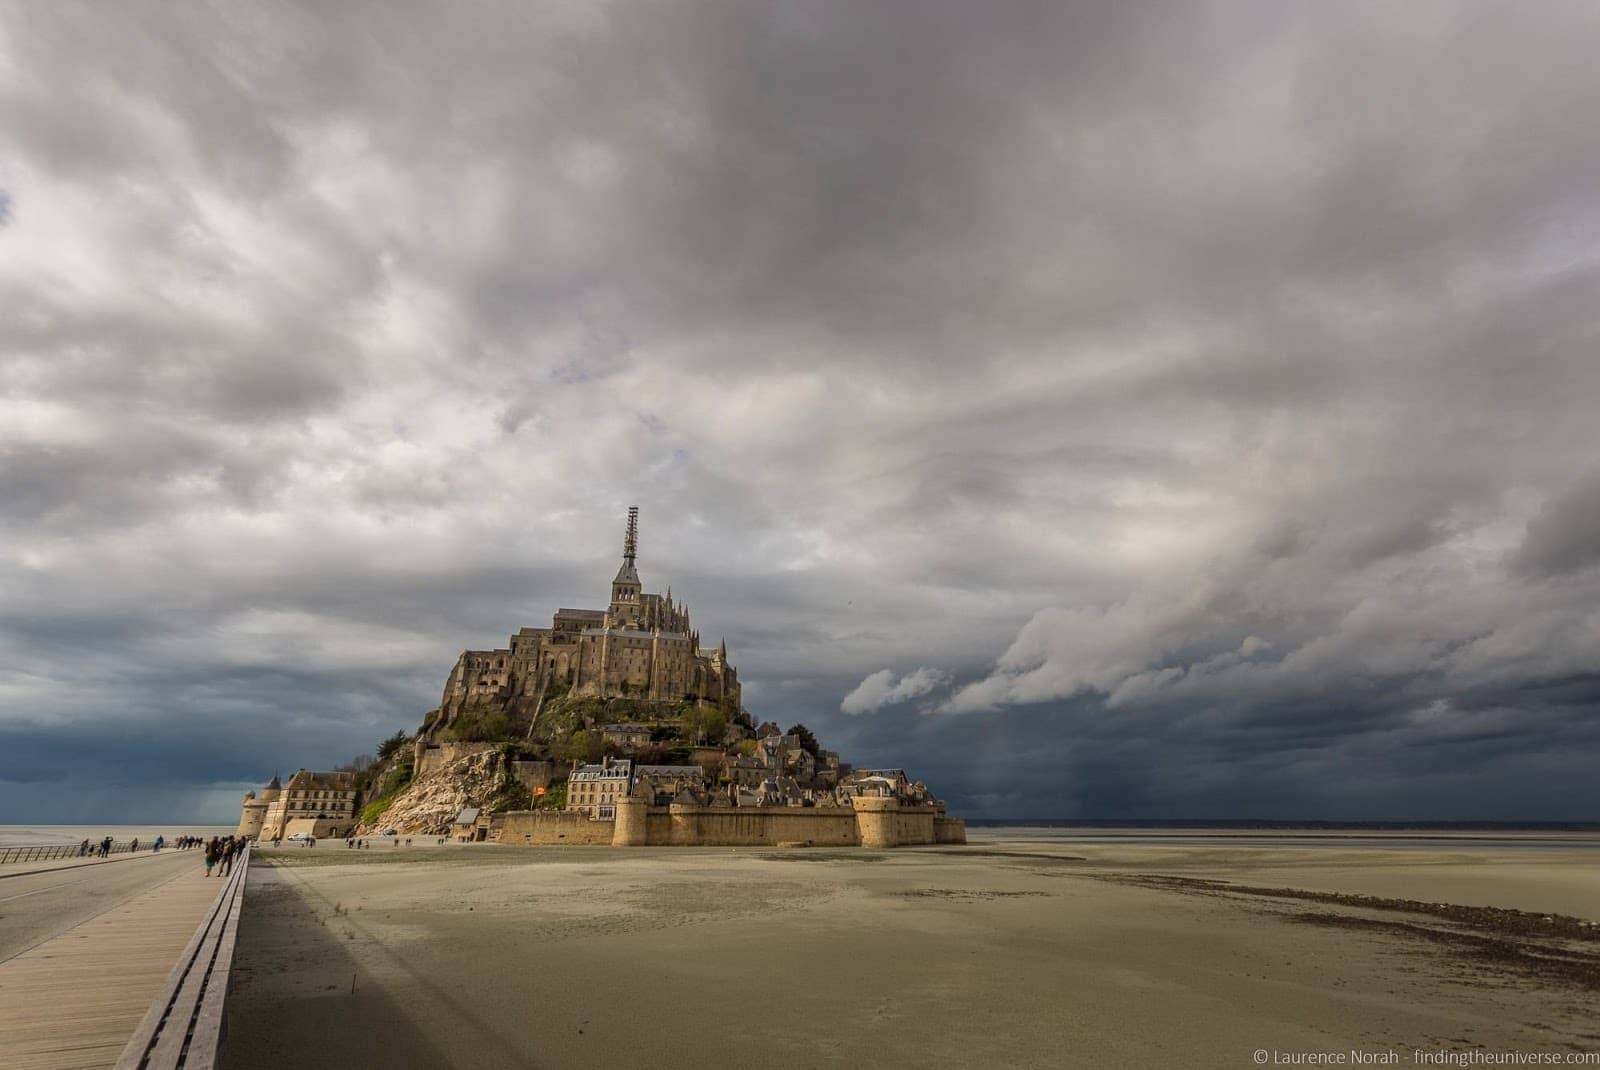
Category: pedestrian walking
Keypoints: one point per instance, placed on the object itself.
(228, 851)
(105, 847)
(213, 854)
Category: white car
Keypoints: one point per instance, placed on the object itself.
(299, 836)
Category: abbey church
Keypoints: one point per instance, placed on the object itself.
(642, 646)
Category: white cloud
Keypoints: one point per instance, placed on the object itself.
(883, 688)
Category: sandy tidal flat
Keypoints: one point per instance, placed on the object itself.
(1013, 954)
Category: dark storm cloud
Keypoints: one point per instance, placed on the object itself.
(1123, 409)
(1565, 535)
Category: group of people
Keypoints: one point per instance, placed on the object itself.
(222, 850)
(102, 848)
(95, 850)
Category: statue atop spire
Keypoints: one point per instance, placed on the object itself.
(630, 542)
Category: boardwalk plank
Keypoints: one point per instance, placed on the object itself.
(73, 1001)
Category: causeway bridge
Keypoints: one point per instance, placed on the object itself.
(117, 962)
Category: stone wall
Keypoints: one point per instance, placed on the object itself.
(755, 827)
(548, 827)
(320, 827)
(889, 825)
(914, 825)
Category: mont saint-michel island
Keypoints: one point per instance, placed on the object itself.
(611, 726)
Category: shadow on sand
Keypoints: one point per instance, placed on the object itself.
(298, 997)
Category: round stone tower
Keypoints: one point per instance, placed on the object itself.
(629, 830)
(253, 812)
(875, 816)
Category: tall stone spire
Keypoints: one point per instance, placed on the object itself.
(625, 588)
(630, 549)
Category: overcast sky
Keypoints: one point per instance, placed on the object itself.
(1108, 410)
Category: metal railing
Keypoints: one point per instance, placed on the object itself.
(184, 1026)
(41, 852)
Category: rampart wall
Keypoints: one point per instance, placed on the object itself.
(706, 826)
(548, 827)
(755, 827)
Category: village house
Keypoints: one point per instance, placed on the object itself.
(629, 737)
(464, 828)
(743, 771)
(665, 782)
(594, 789)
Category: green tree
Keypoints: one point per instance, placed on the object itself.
(480, 726)
(713, 726)
(808, 742)
(577, 747)
(393, 743)
(693, 724)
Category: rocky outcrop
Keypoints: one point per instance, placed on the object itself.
(431, 802)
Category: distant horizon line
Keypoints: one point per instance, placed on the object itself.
(1286, 823)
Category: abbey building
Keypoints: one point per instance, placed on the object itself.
(641, 646)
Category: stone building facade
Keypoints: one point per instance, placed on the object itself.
(317, 804)
(641, 645)
(593, 790)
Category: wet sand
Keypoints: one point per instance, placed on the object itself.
(1008, 953)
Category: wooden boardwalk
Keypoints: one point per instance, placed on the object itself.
(75, 1000)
